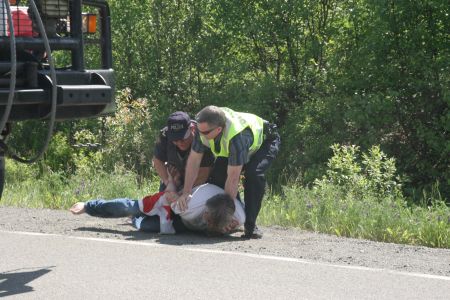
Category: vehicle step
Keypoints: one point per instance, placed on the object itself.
(26, 96)
(69, 95)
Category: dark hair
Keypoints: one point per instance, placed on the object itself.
(220, 209)
(212, 115)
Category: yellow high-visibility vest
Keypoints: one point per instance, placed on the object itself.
(236, 122)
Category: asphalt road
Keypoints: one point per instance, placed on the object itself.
(52, 266)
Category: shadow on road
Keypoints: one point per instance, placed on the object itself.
(179, 239)
(14, 282)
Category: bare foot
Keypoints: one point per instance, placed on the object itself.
(78, 208)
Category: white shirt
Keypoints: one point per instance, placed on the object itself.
(192, 217)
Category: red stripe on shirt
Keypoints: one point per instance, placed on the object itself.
(149, 201)
(169, 212)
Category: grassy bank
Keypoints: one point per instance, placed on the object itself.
(30, 186)
(331, 209)
(359, 197)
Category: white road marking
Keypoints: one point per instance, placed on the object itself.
(252, 255)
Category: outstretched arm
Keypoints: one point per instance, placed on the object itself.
(161, 169)
(203, 174)
(192, 168)
(232, 182)
(173, 183)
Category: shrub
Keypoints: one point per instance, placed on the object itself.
(363, 174)
(130, 136)
(360, 197)
(59, 156)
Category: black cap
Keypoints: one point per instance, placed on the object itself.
(177, 125)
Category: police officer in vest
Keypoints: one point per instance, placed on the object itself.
(242, 143)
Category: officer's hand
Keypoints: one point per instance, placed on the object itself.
(174, 174)
(171, 197)
(183, 200)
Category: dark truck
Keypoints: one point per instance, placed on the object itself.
(55, 64)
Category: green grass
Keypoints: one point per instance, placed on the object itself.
(30, 186)
(331, 209)
(325, 207)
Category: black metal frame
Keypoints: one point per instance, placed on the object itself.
(75, 43)
(81, 93)
(105, 26)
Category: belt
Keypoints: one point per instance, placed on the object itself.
(270, 130)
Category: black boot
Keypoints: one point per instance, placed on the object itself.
(252, 233)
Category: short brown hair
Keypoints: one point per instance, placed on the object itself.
(212, 115)
(220, 209)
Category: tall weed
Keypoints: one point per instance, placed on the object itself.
(54, 190)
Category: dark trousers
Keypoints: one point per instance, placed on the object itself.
(255, 179)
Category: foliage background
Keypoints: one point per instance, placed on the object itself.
(357, 72)
(352, 72)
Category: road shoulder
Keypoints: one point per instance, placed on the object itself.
(277, 241)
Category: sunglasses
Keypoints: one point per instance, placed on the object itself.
(207, 131)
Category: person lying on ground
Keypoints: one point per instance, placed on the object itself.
(209, 209)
